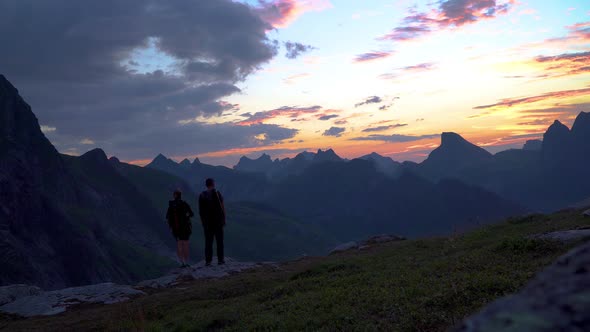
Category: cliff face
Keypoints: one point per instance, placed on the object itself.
(52, 216)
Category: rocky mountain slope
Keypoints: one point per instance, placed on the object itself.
(69, 221)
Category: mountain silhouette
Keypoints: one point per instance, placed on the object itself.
(453, 155)
(533, 145)
(262, 164)
(385, 165)
(544, 178)
(353, 200)
(235, 185)
(68, 221)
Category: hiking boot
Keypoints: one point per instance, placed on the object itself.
(208, 264)
(221, 263)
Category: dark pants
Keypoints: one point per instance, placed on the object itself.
(211, 232)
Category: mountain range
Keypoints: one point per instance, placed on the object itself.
(77, 220)
(73, 220)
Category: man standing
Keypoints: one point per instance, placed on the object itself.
(178, 216)
(212, 212)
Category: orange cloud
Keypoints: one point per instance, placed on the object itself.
(566, 64)
(510, 102)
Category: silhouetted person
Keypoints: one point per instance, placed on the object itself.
(212, 212)
(178, 216)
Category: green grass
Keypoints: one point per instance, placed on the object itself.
(418, 285)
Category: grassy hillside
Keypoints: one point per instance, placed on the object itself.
(427, 285)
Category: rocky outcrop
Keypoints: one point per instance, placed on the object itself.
(344, 247)
(557, 299)
(55, 302)
(14, 292)
(28, 301)
(565, 236)
(199, 271)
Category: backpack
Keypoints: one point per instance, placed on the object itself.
(177, 214)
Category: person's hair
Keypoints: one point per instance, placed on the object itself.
(177, 194)
(209, 182)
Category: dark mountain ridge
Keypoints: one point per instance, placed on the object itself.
(68, 221)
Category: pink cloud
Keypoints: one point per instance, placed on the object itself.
(450, 13)
(292, 112)
(281, 13)
(372, 56)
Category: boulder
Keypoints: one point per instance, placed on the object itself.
(14, 292)
(586, 213)
(557, 299)
(55, 302)
(344, 247)
(564, 236)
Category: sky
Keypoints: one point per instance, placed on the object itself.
(219, 79)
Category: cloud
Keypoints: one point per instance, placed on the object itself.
(426, 66)
(47, 129)
(371, 56)
(87, 141)
(510, 102)
(383, 128)
(419, 68)
(448, 14)
(369, 100)
(395, 138)
(334, 131)
(281, 13)
(294, 50)
(198, 138)
(566, 64)
(82, 82)
(286, 111)
(328, 117)
(294, 78)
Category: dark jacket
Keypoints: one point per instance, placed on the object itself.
(211, 208)
(179, 214)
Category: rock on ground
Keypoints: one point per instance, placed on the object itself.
(565, 236)
(14, 292)
(198, 271)
(344, 247)
(30, 301)
(557, 299)
(54, 302)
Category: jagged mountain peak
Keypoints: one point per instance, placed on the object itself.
(557, 127)
(18, 124)
(582, 123)
(326, 155)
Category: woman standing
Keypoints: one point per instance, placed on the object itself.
(178, 216)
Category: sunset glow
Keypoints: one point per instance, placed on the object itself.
(358, 77)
